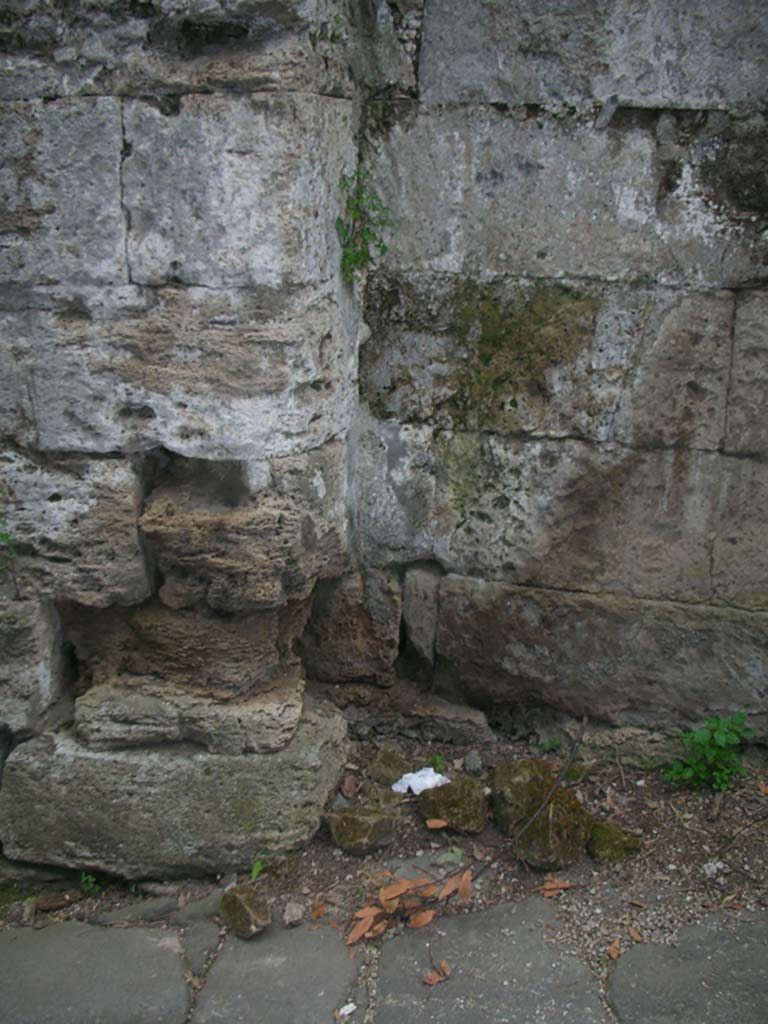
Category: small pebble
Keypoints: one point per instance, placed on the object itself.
(293, 914)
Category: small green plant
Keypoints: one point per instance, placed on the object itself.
(256, 869)
(89, 884)
(437, 763)
(360, 230)
(549, 745)
(711, 758)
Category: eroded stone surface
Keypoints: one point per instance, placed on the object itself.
(162, 812)
(30, 669)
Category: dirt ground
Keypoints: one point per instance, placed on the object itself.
(699, 854)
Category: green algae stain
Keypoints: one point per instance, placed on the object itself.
(510, 343)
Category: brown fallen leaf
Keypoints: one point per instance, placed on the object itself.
(479, 852)
(614, 950)
(358, 931)
(436, 823)
(465, 887)
(318, 910)
(369, 911)
(450, 887)
(351, 952)
(440, 974)
(553, 887)
(637, 903)
(762, 788)
(391, 892)
(390, 906)
(383, 873)
(421, 919)
(377, 930)
(429, 891)
(635, 935)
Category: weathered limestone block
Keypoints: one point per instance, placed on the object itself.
(461, 803)
(551, 358)
(237, 554)
(677, 54)
(172, 48)
(60, 192)
(163, 812)
(245, 910)
(114, 718)
(420, 609)
(361, 830)
(640, 663)
(260, 193)
(558, 513)
(206, 373)
(747, 400)
(481, 193)
(353, 633)
(739, 554)
(74, 523)
(30, 669)
(194, 652)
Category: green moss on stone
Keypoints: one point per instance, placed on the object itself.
(559, 835)
(609, 844)
(510, 344)
(460, 803)
(359, 830)
(388, 766)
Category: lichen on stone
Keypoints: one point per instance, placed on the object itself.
(609, 844)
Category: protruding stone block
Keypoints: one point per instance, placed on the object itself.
(163, 812)
(30, 666)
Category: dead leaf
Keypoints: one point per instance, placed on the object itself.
(391, 892)
(369, 912)
(465, 886)
(429, 891)
(377, 930)
(390, 906)
(436, 823)
(450, 887)
(637, 903)
(358, 931)
(435, 977)
(553, 887)
(336, 1015)
(762, 788)
(478, 852)
(421, 919)
(383, 874)
(318, 910)
(635, 935)
(351, 952)
(614, 950)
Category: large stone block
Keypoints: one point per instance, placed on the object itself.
(560, 514)
(216, 544)
(158, 650)
(628, 662)
(60, 188)
(748, 396)
(676, 54)
(206, 373)
(74, 524)
(164, 812)
(30, 668)
(114, 718)
(739, 554)
(260, 189)
(551, 358)
(484, 192)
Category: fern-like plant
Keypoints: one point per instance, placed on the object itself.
(360, 230)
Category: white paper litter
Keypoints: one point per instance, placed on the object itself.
(417, 782)
(348, 1010)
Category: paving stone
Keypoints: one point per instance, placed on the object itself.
(154, 909)
(717, 974)
(77, 974)
(503, 971)
(200, 941)
(283, 976)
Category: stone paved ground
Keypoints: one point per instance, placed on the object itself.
(506, 969)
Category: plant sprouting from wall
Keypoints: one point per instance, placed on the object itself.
(7, 549)
(360, 230)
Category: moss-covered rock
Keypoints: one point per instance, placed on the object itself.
(461, 803)
(388, 766)
(609, 844)
(359, 830)
(245, 910)
(559, 835)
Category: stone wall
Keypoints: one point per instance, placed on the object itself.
(523, 463)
